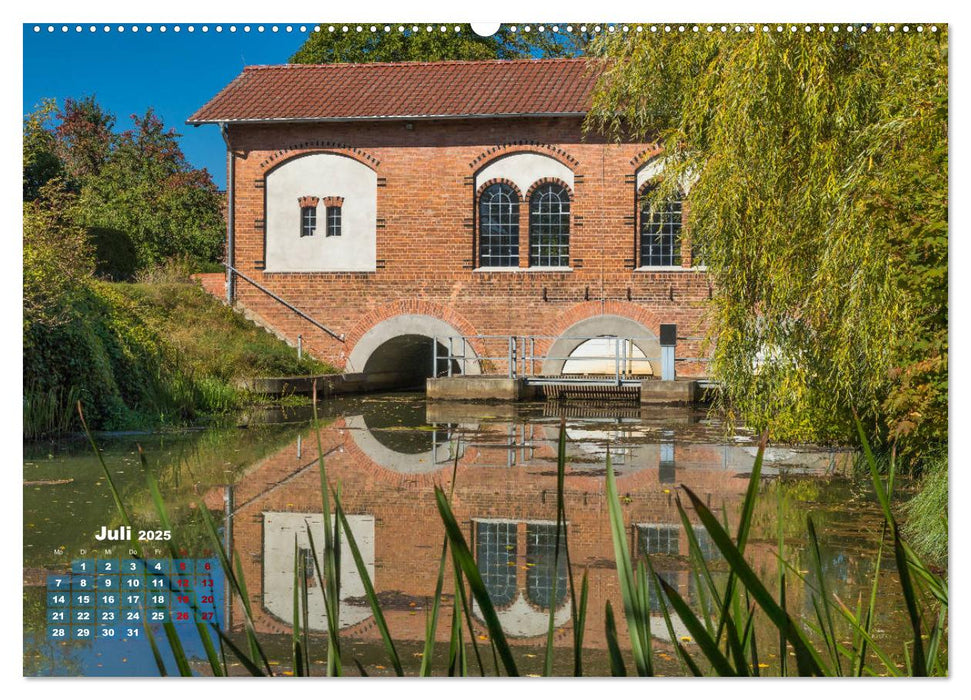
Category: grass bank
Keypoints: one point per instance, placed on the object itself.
(146, 354)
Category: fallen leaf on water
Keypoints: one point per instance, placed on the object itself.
(483, 638)
(686, 639)
(763, 665)
(530, 656)
(379, 667)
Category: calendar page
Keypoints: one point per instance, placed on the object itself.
(553, 349)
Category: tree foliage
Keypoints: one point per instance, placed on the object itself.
(147, 189)
(136, 182)
(416, 43)
(41, 160)
(818, 171)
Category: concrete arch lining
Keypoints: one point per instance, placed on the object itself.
(596, 326)
(409, 326)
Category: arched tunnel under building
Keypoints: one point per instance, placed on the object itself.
(410, 359)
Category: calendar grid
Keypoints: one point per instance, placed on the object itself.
(116, 598)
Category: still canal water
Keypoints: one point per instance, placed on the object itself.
(387, 453)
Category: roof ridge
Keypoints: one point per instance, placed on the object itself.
(457, 62)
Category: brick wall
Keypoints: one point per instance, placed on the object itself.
(426, 238)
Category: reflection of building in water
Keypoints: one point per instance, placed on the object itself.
(282, 532)
(505, 502)
(522, 581)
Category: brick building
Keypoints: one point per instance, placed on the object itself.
(392, 203)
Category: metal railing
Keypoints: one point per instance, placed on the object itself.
(302, 314)
(627, 360)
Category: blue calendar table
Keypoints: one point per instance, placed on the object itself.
(117, 598)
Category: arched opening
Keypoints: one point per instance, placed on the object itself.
(598, 336)
(607, 354)
(411, 358)
(400, 351)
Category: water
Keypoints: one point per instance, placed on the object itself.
(388, 452)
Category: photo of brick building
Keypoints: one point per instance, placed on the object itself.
(373, 207)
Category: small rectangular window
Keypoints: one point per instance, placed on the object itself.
(308, 221)
(333, 221)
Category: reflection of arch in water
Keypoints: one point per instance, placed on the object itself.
(405, 451)
(611, 325)
(279, 530)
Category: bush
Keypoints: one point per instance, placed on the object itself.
(927, 512)
(116, 258)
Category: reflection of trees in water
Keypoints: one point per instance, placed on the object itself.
(400, 426)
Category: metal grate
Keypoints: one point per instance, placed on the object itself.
(661, 232)
(495, 555)
(333, 221)
(549, 227)
(540, 556)
(308, 221)
(499, 227)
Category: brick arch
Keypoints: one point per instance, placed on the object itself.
(428, 313)
(543, 149)
(499, 181)
(548, 181)
(312, 147)
(588, 309)
(407, 306)
(613, 313)
(644, 156)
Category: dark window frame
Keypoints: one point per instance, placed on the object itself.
(308, 221)
(498, 209)
(334, 222)
(660, 229)
(549, 226)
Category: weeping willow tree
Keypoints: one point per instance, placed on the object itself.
(817, 165)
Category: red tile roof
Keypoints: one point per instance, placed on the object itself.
(447, 89)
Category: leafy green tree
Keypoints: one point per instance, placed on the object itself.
(85, 137)
(146, 188)
(41, 160)
(817, 164)
(416, 43)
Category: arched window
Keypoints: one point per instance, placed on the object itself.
(499, 227)
(549, 227)
(661, 231)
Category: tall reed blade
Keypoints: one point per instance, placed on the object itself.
(461, 553)
(369, 593)
(638, 622)
(617, 666)
(697, 630)
(806, 657)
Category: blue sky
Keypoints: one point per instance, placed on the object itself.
(176, 73)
